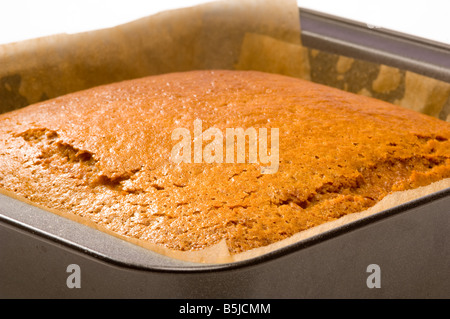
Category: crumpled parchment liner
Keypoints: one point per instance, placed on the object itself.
(241, 35)
(404, 88)
(264, 53)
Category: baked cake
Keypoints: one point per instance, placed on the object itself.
(106, 154)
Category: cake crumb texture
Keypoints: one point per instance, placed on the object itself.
(105, 154)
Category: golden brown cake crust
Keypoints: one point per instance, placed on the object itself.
(105, 154)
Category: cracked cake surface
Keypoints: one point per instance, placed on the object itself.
(105, 154)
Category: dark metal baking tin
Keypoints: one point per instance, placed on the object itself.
(410, 243)
(357, 40)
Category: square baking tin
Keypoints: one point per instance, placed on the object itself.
(408, 245)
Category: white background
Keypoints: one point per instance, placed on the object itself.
(24, 19)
